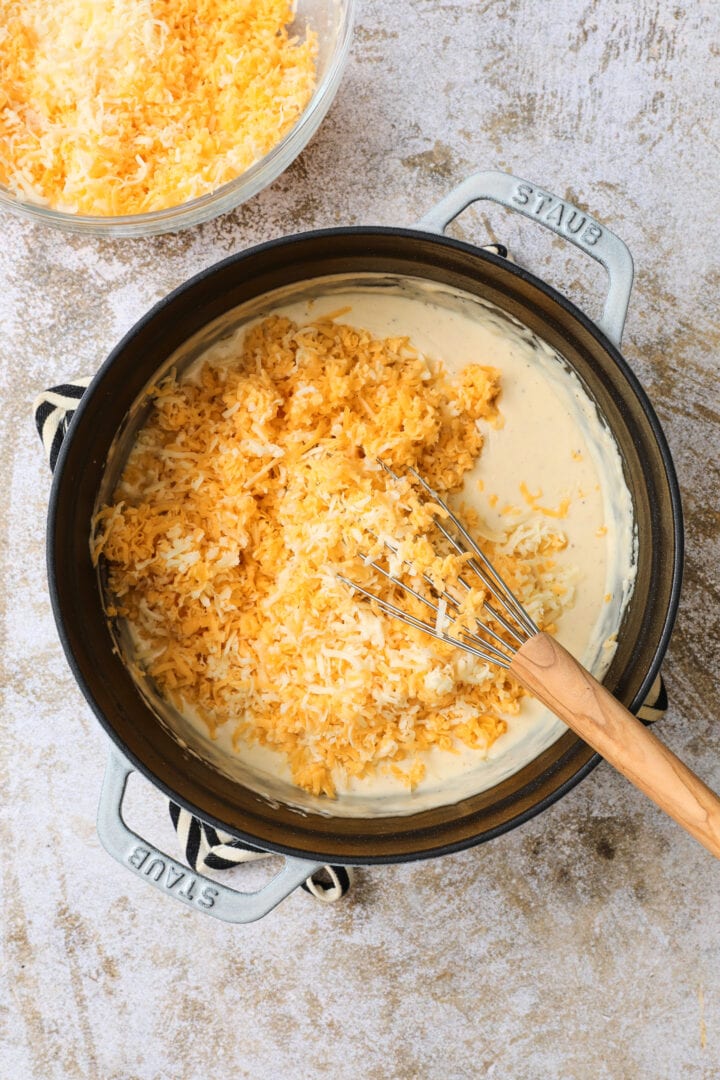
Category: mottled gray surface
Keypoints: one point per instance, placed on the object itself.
(585, 944)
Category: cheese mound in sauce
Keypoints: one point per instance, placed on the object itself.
(114, 107)
(252, 485)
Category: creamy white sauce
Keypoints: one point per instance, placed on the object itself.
(552, 440)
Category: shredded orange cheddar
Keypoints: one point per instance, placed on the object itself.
(559, 512)
(125, 106)
(528, 496)
(532, 501)
(254, 482)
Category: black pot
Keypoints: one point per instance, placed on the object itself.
(103, 414)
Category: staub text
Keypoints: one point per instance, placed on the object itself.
(553, 211)
(172, 878)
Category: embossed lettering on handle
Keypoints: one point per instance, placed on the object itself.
(561, 216)
(558, 215)
(173, 877)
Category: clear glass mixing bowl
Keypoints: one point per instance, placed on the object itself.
(332, 22)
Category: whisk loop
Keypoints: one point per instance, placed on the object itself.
(507, 612)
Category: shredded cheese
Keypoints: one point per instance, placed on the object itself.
(252, 485)
(126, 106)
(532, 500)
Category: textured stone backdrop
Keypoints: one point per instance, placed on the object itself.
(585, 944)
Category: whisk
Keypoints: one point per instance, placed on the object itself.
(509, 637)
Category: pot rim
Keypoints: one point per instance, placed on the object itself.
(443, 241)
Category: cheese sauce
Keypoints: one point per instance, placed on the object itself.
(553, 455)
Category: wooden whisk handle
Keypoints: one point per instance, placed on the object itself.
(553, 676)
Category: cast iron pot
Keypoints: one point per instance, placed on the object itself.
(142, 742)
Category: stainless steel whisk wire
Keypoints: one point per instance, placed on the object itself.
(498, 651)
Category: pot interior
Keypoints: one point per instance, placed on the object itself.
(174, 334)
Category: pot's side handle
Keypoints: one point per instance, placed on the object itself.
(560, 217)
(175, 878)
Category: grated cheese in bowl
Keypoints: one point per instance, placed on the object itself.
(253, 484)
(122, 107)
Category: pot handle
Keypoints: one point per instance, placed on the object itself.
(560, 217)
(175, 878)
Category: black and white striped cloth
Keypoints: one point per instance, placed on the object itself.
(206, 848)
(54, 409)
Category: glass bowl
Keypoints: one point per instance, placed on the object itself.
(332, 22)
